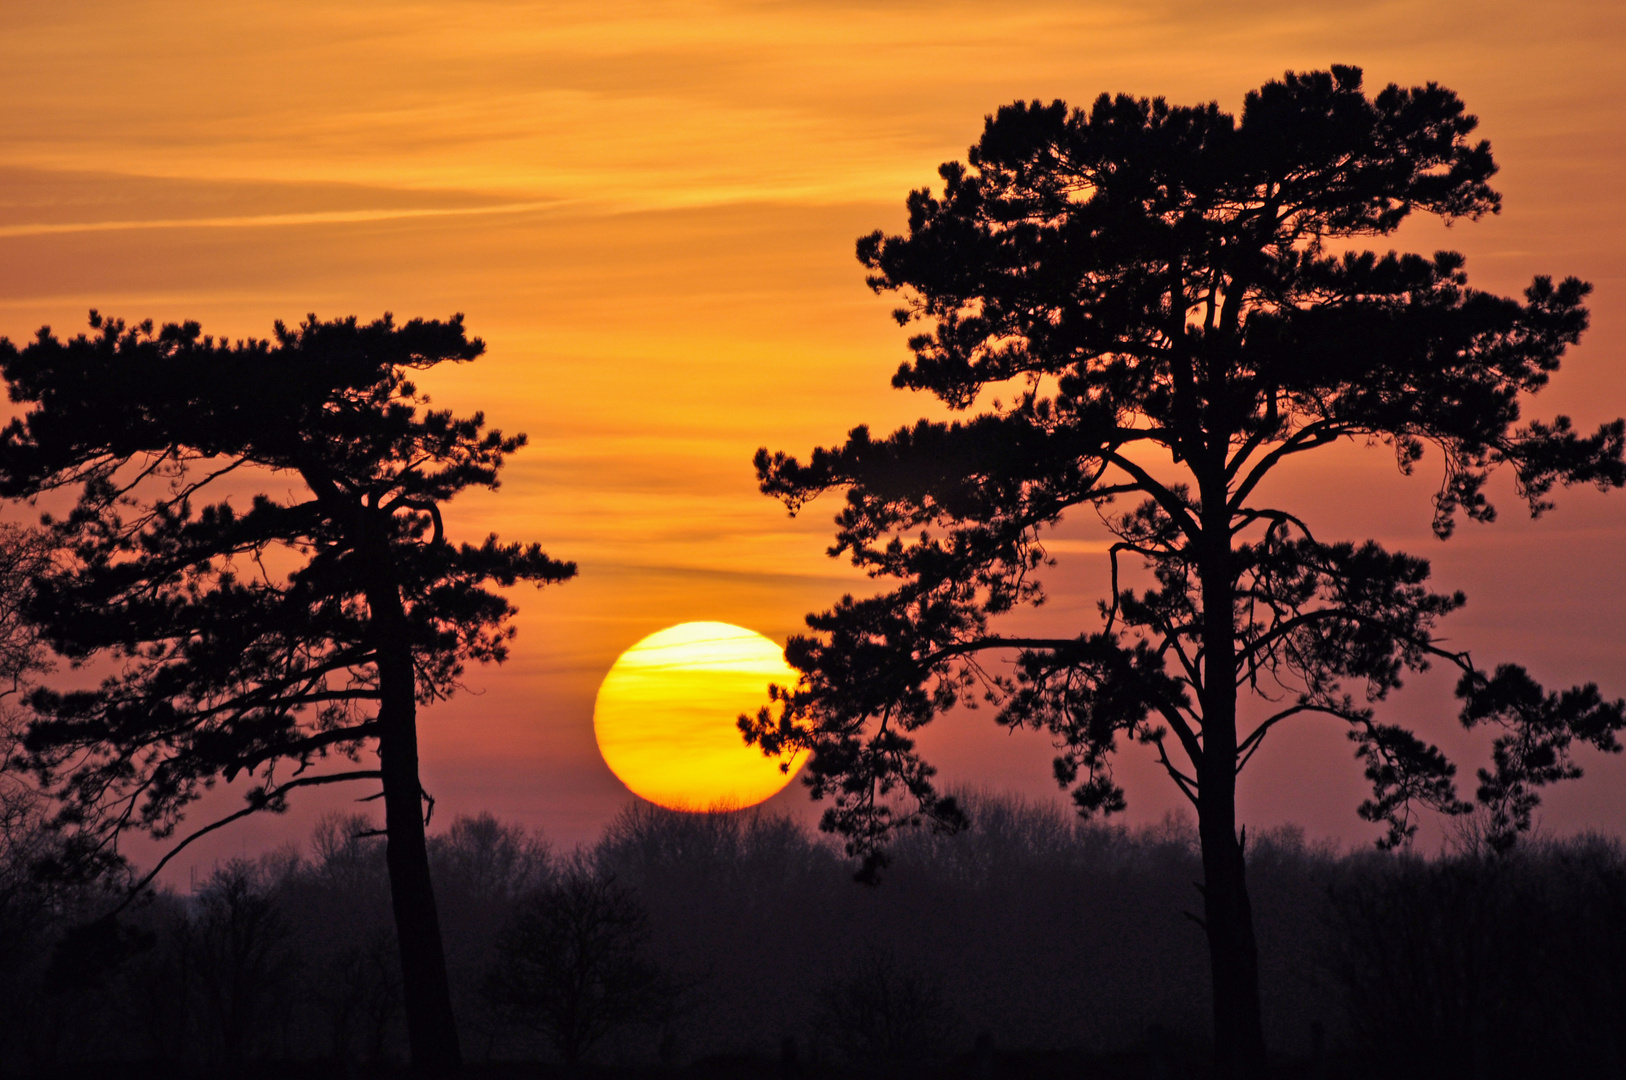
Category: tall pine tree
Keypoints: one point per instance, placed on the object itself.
(255, 556)
(1169, 304)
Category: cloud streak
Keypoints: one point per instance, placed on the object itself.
(258, 221)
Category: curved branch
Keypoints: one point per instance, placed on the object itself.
(1177, 510)
(427, 506)
(1313, 435)
(1245, 749)
(1283, 629)
(1251, 515)
(1189, 741)
(1187, 785)
(277, 792)
(312, 742)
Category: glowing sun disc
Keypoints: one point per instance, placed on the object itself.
(666, 711)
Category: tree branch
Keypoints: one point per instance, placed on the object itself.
(275, 793)
(1187, 785)
(1315, 434)
(1177, 510)
(1245, 749)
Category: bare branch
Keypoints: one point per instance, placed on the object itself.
(269, 796)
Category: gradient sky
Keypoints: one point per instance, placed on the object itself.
(648, 211)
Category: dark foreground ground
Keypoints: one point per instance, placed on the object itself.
(1174, 1063)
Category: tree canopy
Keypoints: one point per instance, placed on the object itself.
(1169, 303)
(255, 562)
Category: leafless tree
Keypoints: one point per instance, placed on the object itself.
(574, 965)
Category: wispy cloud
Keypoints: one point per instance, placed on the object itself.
(254, 221)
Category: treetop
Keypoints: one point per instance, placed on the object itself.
(328, 396)
(1145, 273)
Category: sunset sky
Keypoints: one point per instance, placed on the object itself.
(648, 210)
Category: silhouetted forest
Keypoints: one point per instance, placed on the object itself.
(1033, 944)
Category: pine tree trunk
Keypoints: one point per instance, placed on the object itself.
(425, 990)
(1239, 1041)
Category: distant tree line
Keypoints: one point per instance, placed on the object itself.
(1031, 944)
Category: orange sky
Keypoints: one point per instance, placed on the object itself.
(648, 211)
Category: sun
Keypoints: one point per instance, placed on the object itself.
(665, 717)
